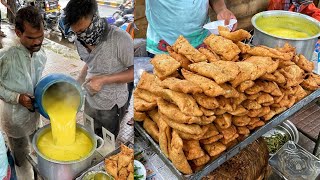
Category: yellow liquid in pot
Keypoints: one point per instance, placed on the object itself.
(80, 148)
(63, 142)
(287, 27)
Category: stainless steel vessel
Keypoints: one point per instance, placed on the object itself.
(52, 169)
(303, 46)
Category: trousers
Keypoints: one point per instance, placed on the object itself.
(109, 119)
(20, 148)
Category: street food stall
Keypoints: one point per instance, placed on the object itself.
(198, 110)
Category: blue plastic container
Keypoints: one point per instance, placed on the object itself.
(47, 82)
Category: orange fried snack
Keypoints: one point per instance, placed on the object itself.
(211, 55)
(247, 72)
(238, 35)
(264, 64)
(224, 121)
(179, 85)
(222, 46)
(185, 102)
(145, 95)
(164, 64)
(142, 105)
(150, 83)
(111, 165)
(188, 136)
(207, 112)
(243, 47)
(239, 111)
(231, 92)
(240, 120)
(245, 85)
(206, 101)
(192, 149)
(210, 88)
(270, 52)
(177, 156)
(215, 148)
(174, 113)
(212, 131)
(187, 128)
(179, 57)
(151, 128)
(243, 130)
(164, 137)
(211, 139)
(201, 160)
(220, 71)
(139, 116)
(229, 132)
(182, 46)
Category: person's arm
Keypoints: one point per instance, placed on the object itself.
(82, 76)
(10, 96)
(95, 83)
(223, 13)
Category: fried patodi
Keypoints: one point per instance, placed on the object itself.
(179, 85)
(185, 102)
(270, 52)
(239, 111)
(211, 55)
(264, 64)
(231, 92)
(164, 64)
(245, 85)
(215, 148)
(211, 139)
(111, 165)
(220, 71)
(229, 132)
(151, 128)
(212, 131)
(192, 149)
(201, 160)
(243, 47)
(164, 137)
(247, 72)
(241, 120)
(235, 36)
(145, 95)
(206, 101)
(177, 156)
(210, 88)
(139, 116)
(179, 57)
(304, 64)
(222, 46)
(188, 128)
(223, 121)
(182, 46)
(173, 112)
(150, 83)
(142, 105)
(125, 156)
(188, 136)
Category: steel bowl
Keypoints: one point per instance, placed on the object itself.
(305, 46)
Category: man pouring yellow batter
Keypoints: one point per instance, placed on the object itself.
(108, 54)
(21, 67)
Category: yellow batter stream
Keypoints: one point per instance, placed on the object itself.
(63, 142)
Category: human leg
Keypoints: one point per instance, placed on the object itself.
(20, 148)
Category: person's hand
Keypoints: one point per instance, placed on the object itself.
(94, 84)
(226, 14)
(25, 100)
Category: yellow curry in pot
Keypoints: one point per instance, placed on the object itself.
(287, 27)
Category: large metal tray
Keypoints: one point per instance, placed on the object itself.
(237, 148)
